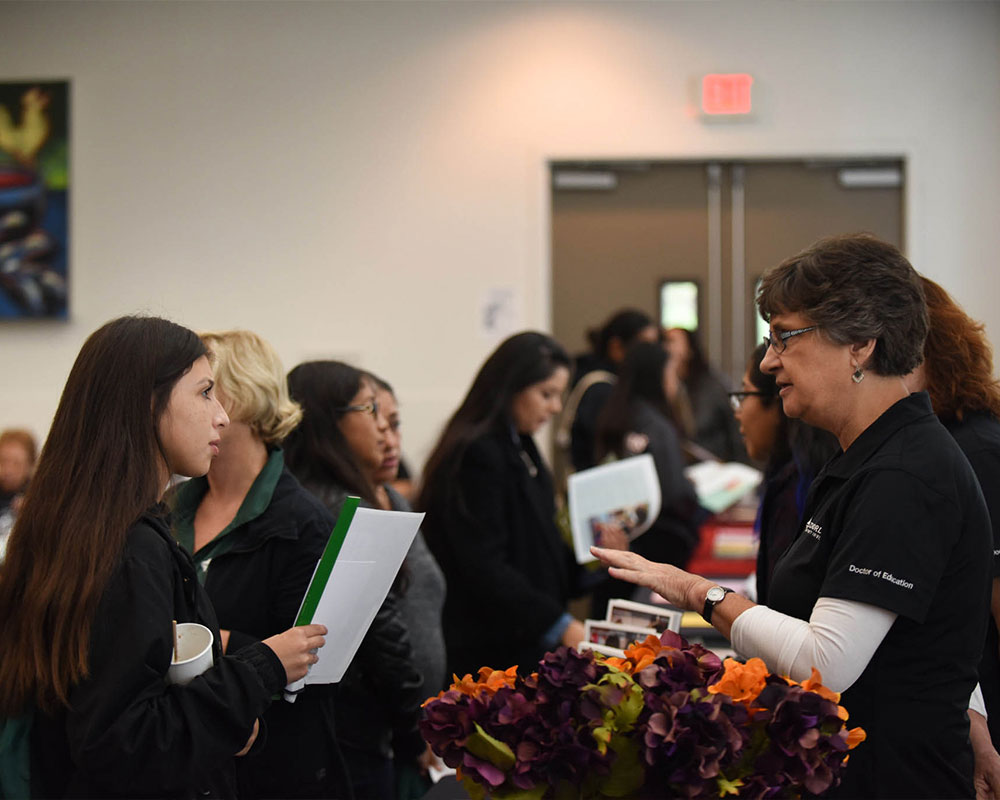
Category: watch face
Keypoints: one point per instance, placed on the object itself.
(715, 594)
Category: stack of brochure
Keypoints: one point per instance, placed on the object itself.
(627, 622)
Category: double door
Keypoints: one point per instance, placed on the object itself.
(687, 242)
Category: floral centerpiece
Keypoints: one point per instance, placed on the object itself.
(668, 720)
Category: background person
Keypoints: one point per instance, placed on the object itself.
(638, 418)
(18, 453)
(93, 580)
(255, 535)
(957, 374)
(422, 604)
(490, 507)
(17, 462)
(594, 379)
(792, 453)
(885, 589)
(703, 398)
(336, 451)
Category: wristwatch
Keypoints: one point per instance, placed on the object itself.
(712, 599)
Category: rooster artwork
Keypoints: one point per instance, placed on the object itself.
(34, 182)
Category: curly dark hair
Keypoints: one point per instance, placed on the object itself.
(855, 287)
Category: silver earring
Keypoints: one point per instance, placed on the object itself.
(858, 376)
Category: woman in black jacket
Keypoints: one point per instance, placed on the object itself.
(491, 514)
(255, 536)
(638, 418)
(335, 452)
(93, 580)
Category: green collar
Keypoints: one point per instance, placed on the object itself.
(189, 495)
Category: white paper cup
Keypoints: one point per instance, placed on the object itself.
(194, 653)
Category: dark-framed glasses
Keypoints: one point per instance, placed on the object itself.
(371, 407)
(736, 398)
(779, 341)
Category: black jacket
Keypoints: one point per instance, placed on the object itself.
(129, 734)
(509, 572)
(378, 700)
(256, 587)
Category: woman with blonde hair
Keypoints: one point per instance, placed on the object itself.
(255, 535)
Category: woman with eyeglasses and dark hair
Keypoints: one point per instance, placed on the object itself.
(792, 453)
(337, 451)
(422, 603)
(638, 418)
(255, 535)
(491, 517)
(93, 582)
(885, 590)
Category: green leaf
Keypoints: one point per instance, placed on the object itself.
(627, 774)
(475, 790)
(484, 746)
(728, 787)
(522, 794)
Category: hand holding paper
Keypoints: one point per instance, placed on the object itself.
(297, 649)
(351, 581)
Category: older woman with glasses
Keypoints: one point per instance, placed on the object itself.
(885, 588)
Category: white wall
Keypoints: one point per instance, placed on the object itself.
(350, 179)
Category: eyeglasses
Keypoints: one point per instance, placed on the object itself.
(736, 398)
(779, 341)
(369, 408)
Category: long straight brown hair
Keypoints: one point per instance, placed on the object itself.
(101, 467)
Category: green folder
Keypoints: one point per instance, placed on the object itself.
(325, 566)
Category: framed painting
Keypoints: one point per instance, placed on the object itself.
(34, 200)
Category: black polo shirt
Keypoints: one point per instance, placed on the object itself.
(898, 521)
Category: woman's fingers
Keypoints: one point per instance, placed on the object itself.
(297, 648)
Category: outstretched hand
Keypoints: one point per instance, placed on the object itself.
(676, 586)
(296, 649)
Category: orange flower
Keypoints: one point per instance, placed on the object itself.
(855, 736)
(742, 682)
(638, 655)
(814, 683)
(490, 681)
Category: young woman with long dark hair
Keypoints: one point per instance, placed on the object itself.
(490, 507)
(639, 418)
(595, 375)
(702, 397)
(93, 580)
(337, 451)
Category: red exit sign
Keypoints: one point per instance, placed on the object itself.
(726, 93)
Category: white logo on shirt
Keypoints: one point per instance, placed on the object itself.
(883, 574)
(814, 530)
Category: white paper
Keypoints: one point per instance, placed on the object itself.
(719, 485)
(374, 548)
(625, 492)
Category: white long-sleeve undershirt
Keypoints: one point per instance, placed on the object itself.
(839, 639)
